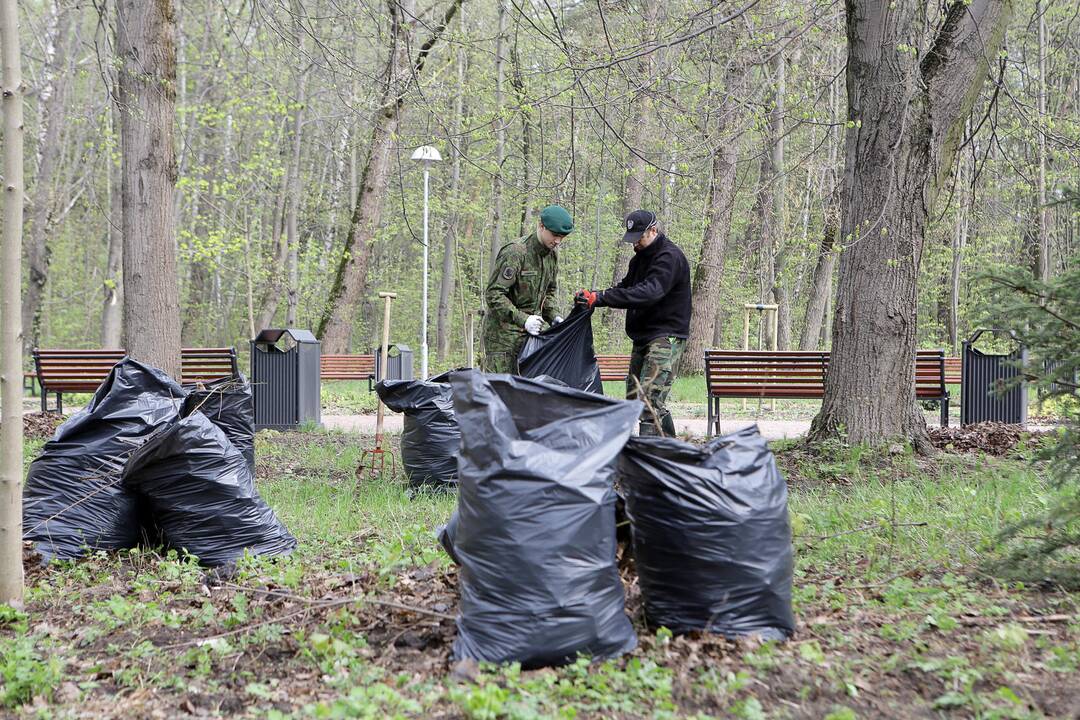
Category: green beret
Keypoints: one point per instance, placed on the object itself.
(557, 220)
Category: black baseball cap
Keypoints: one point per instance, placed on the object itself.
(637, 223)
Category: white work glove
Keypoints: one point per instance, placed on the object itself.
(557, 321)
(533, 324)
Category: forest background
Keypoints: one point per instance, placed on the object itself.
(726, 119)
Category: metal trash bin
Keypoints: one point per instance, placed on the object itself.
(285, 380)
(992, 387)
(399, 363)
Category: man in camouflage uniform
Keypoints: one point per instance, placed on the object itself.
(656, 295)
(520, 295)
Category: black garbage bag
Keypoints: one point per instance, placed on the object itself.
(430, 437)
(73, 498)
(564, 352)
(228, 404)
(201, 494)
(535, 522)
(711, 535)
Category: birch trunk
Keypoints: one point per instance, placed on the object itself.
(11, 430)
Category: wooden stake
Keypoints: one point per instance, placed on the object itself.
(387, 297)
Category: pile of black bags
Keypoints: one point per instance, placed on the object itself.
(534, 531)
(150, 459)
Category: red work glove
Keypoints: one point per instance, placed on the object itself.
(585, 297)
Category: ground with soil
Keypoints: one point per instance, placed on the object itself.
(895, 617)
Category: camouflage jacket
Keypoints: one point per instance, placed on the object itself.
(522, 283)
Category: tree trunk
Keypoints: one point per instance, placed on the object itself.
(335, 329)
(636, 166)
(708, 276)
(11, 427)
(959, 240)
(905, 116)
(51, 100)
(525, 111)
(446, 284)
(497, 190)
(1043, 261)
(292, 217)
(271, 296)
(146, 46)
(112, 317)
(780, 248)
(821, 285)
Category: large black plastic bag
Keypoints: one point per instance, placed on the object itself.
(73, 497)
(712, 539)
(564, 352)
(535, 526)
(200, 492)
(228, 404)
(430, 438)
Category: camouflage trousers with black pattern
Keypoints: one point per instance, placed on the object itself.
(652, 373)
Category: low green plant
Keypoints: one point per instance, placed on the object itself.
(28, 669)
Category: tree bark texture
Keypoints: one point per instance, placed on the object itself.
(51, 101)
(146, 45)
(908, 97)
(335, 328)
(11, 427)
(707, 289)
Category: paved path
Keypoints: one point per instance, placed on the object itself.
(771, 429)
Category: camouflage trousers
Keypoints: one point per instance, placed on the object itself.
(501, 359)
(653, 366)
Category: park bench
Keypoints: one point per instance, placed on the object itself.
(348, 367)
(29, 382)
(952, 371)
(613, 367)
(799, 375)
(70, 370)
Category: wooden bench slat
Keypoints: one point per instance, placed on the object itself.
(347, 367)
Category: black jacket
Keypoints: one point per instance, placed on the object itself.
(655, 292)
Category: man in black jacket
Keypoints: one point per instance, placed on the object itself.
(656, 296)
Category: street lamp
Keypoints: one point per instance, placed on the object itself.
(427, 155)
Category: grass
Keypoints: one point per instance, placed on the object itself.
(347, 397)
(895, 616)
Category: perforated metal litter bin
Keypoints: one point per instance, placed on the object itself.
(399, 363)
(992, 387)
(285, 378)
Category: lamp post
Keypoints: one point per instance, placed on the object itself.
(427, 155)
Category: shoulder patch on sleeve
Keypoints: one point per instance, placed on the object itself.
(508, 272)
